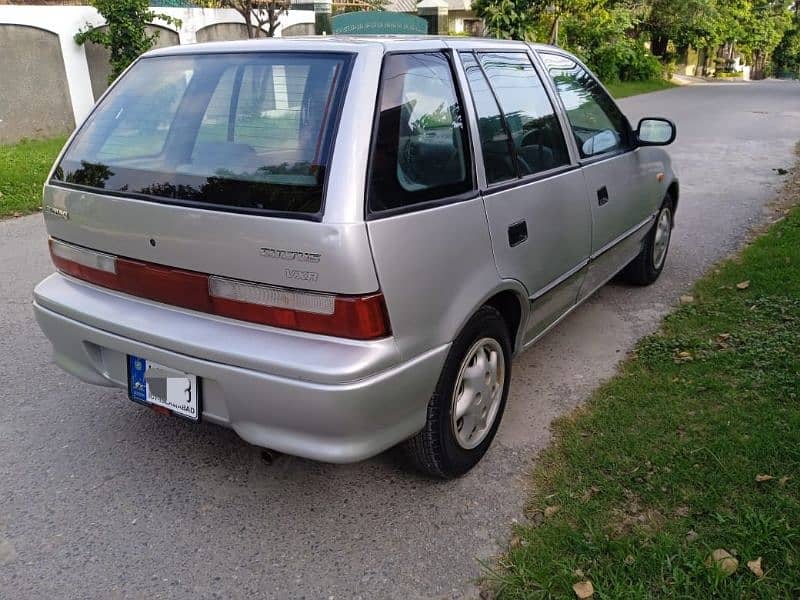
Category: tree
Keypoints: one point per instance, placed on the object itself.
(766, 22)
(786, 56)
(507, 19)
(125, 34)
(684, 22)
(550, 13)
(609, 43)
(530, 19)
(259, 13)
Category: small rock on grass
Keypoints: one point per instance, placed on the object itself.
(687, 299)
(761, 478)
(755, 567)
(583, 589)
(551, 510)
(723, 560)
(691, 535)
(743, 285)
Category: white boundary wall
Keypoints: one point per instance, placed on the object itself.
(66, 21)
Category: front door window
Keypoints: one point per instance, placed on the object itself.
(598, 125)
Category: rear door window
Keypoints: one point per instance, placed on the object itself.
(420, 148)
(248, 132)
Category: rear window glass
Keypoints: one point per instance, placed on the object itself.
(420, 151)
(230, 131)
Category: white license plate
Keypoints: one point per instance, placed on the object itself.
(156, 385)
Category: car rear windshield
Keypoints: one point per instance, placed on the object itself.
(242, 132)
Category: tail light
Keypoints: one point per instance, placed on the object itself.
(355, 317)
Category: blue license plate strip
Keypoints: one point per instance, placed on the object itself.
(152, 384)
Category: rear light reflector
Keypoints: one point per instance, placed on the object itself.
(265, 295)
(85, 258)
(355, 317)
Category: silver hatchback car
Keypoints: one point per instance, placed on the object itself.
(336, 245)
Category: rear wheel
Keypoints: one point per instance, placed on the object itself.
(648, 264)
(468, 403)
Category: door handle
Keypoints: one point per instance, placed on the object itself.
(602, 196)
(517, 233)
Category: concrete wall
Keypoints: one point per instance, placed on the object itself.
(34, 94)
(298, 29)
(220, 32)
(48, 83)
(98, 57)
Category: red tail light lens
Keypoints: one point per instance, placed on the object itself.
(354, 317)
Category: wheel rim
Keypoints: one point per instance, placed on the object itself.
(661, 241)
(477, 393)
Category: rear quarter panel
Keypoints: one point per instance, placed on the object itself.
(435, 268)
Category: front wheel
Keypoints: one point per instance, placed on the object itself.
(468, 403)
(648, 264)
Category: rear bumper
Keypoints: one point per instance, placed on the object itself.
(311, 396)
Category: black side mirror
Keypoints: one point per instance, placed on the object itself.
(656, 132)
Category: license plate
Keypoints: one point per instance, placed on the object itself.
(153, 384)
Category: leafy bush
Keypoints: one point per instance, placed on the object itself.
(640, 65)
(602, 33)
(604, 44)
(786, 58)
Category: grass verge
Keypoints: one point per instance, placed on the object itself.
(694, 446)
(623, 89)
(23, 168)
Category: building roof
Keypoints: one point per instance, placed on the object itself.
(404, 6)
(410, 6)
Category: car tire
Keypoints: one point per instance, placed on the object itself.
(648, 264)
(478, 362)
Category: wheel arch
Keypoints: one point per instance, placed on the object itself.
(509, 305)
(510, 299)
(673, 190)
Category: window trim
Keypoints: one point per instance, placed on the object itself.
(348, 61)
(502, 186)
(589, 160)
(372, 215)
(509, 138)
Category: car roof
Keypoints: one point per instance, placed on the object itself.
(337, 43)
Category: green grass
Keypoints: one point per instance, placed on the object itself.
(23, 168)
(659, 468)
(623, 89)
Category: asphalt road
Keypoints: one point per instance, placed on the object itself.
(100, 498)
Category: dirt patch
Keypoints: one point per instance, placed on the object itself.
(632, 516)
(789, 196)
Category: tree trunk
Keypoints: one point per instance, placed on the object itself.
(248, 22)
(758, 65)
(702, 58)
(658, 45)
(553, 37)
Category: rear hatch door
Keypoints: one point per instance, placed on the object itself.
(215, 163)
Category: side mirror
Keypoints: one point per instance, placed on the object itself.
(656, 132)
